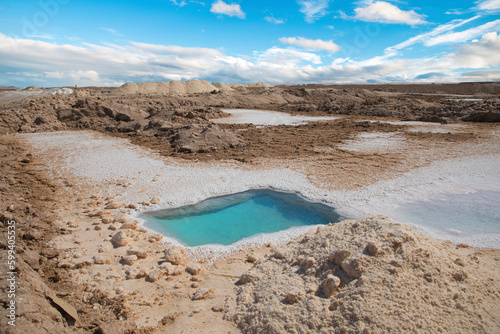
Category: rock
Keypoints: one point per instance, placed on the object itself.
(195, 285)
(217, 308)
(330, 285)
(155, 275)
(129, 259)
(155, 200)
(308, 262)
(247, 277)
(141, 254)
(114, 227)
(120, 239)
(482, 117)
(120, 218)
(99, 259)
(33, 235)
(460, 276)
(175, 255)
(132, 206)
(114, 205)
(353, 267)
(339, 256)
(198, 138)
(135, 273)
(155, 237)
(130, 225)
(104, 248)
(96, 213)
(202, 293)
(372, 248)
(107, 219)
(293, 297)
(252, 258)
(193, 268)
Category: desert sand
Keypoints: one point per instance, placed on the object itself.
(78, 167)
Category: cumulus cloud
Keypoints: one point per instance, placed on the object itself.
(277, 55)
(317, 44)
(489, 5)
(483, 53)
(313, 9)
(233, 10)
(49, 64)
(384, 12)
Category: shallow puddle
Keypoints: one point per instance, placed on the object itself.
(225, 220)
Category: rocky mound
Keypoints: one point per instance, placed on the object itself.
(201, 138)
(369, 276)
(168, 88)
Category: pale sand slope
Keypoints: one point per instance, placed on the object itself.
(369, 276)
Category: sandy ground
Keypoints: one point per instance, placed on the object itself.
(76, 195)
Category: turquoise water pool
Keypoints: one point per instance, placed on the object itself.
(225, 220)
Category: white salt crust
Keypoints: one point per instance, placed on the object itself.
(103, 162)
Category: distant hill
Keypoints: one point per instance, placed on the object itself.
(8, 88)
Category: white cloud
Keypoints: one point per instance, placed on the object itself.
(463, 36)
(273, 20)
(384, 12)
(282, 56)
(317, 44)
(489, 5)
(313, 9)
(112, 31)
(483, 53)
(180, 4)
(220, 7)
(28, 61)
(425, 37)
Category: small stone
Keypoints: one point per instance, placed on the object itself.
(33, 235)
(217, 308)
(104, 248)
(107, 219)
(353, 267)
(141, 254)
(175, 255)
(155, 237)
(114, 205)
(193, 268)
(195, 285)
(129, 259)
(146, 203)
(293, 297)
(202, 293)
(372, 248)
(155, 200)
(130, 225)
(98, 227)
(132, 206)
(309, 262)
(251, 258)
(178, 286)
(339, 256)
(114, 227)
(96, 213)
(460, 262)
(99, 259)
(330, 285)
(460, 276)
(120, 239)
(120, 218)
(155, 275)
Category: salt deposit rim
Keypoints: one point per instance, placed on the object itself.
(205, 206)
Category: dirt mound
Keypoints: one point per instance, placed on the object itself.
(168, 88)
(368, 276)
(482, 117)
(198, 138)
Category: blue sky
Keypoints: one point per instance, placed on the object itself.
(68, 42)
